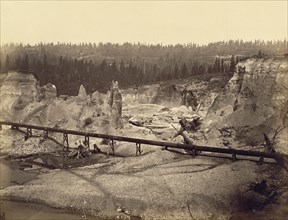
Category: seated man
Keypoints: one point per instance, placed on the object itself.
(82, 150)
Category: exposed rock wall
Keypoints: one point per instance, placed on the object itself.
(256, 96)
(18, 90)
(161, 94)
(190, 94)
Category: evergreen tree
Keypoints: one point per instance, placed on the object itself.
(222, 66)
(153, 73)
(44, 63)
(122, 66)
(25, 64)
(114, 69)
(195, 68)
(176, 72)
(103, 65)
(232, 64)
(7, 64)
(217, 66)
(184, 70)
(237, 60)
(18, 63)
(44, 70)
(210, 69)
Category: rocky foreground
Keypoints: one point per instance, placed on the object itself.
(159, 184)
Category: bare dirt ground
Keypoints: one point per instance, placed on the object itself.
(158, 184)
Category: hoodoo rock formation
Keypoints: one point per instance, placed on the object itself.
(115, 103)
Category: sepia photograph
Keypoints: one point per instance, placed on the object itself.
(143, 110)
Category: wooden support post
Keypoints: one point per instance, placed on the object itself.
(86, 142)
(138, 149)
(234, 158)
(261, 160)
(0, 127)
(112, 147)
(28, 134)
(194, 152)
(45, 134)
(191, 151)
(65, 141)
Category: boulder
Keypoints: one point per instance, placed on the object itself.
(49, 91)
(137, 121)
(180, 110)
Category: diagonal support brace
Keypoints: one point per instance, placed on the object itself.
(261, 160)
(234, 157)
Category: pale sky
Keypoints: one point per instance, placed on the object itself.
(167, 22)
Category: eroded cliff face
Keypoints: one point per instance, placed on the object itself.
(17, 92)
(196, 94)
(256, 97)
(253, 102)
(23, 100)
(168, 95)
(17, 87)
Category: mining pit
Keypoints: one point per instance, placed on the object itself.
(87, 176)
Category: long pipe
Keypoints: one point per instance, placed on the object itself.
(148, 142)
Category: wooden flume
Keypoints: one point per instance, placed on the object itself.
(138, 141)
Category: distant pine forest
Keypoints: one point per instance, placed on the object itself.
(94, 65)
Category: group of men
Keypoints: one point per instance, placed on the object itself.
(83, 150)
